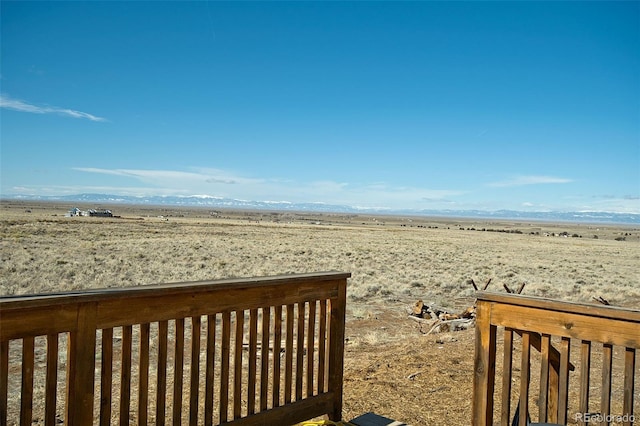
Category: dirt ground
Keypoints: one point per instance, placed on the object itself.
(406, 375)
(392, 367)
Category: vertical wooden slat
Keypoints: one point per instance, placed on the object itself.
(336, 349)
(311, 334)
(253, 358)
(224, 366)
(605, 399)
(106, 377)
(125, 375)
(484, 366)
(178, 372)
(506, 375)
(81, 365)
(4, 380)
(210, 370)
(300, 350)
(26, 395)
(143, 374)
(585, 374)
(288, 356)
(524, 379)
(161, 387)
(237, 366)
(543, 398)
(552, 403)
(629, 372)
(563, 380)
(322, 348)
(196, 323)
(264, 354)
(51, 387)
(277, 344)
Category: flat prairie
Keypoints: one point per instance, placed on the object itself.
(391, 366)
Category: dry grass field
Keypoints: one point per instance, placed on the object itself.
(391, 367)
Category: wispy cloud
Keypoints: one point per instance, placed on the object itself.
(22, 106)
(220, 183)
(529, 180)
(173, 177)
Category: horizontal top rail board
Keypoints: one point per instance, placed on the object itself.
(612, 312)
(58, 313)
(90, 295)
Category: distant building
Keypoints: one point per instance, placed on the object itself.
(100, 213)
(74, 212)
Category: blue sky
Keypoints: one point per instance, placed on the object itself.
(412, 105)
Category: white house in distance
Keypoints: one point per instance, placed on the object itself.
(91, 212)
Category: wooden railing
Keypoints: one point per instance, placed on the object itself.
(600, 338)
(258, 351)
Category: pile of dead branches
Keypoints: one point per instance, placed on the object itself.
(440, 319)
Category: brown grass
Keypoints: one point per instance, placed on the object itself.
(393, 260)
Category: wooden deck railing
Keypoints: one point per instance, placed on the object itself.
(600, 338)
(258, 351)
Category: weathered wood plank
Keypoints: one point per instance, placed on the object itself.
(51, 381)
(81, 358)
(563, 380)
(525, 370)
(507, 375)
(253, 359)
(106, 377)
(311, 334)
(210, 370)
(484, 366)
(264, 358)
(552, 404)
(289, 414)
(322, 348)
(552, 305)
(629, 373)
(143, 374)
(585, 375)
(607, 364)
(42, 320)
(125, 375)
(336, 350)
(237, 365)
(26, 392)
(161, 387)
(296, 284)
(178, 372)
(288, 357)
(196, 323)
(563, 324)
(277, 342)
(543, 398)
(153, 307)
(224, 366)
(301, 307)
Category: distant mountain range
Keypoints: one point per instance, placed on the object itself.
(229, 203)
